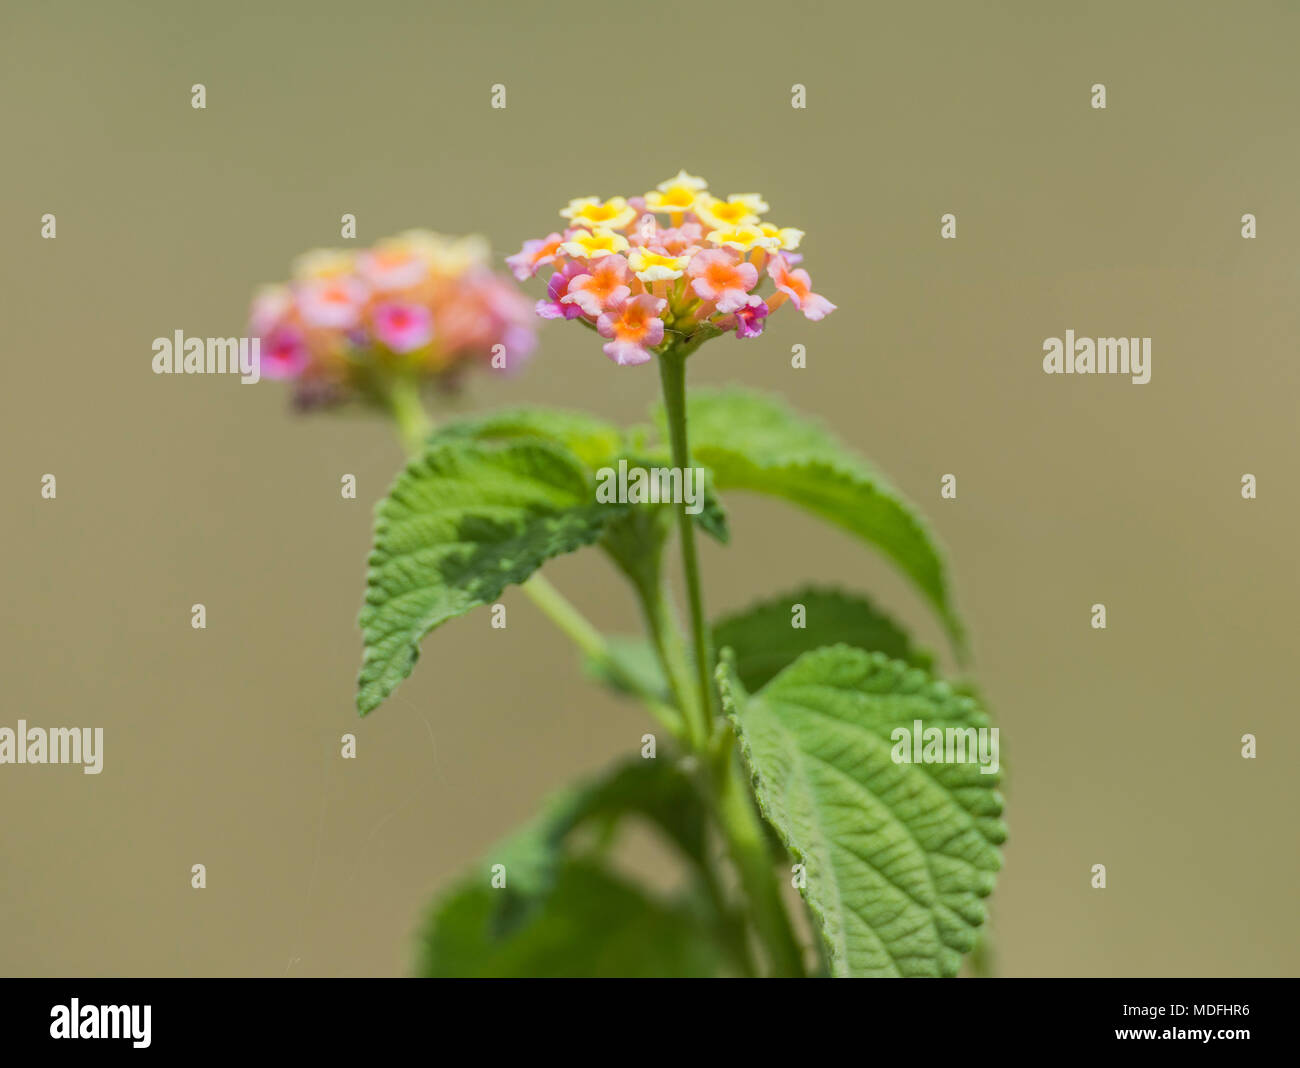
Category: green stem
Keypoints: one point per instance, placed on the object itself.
(737, 816)
(671, 650)
(747, 842)
(672, 372)
(413, 422)
(983, 961)
(560, 611)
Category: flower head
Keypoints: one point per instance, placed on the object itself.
(673, 267)
(419, 304)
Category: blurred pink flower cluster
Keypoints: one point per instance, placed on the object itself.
(677, 262)
(419, 306)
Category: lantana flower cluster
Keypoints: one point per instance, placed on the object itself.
(419, 305)
(673, 265)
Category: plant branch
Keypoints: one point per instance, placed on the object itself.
(736, 814)
(672, 371)
(747, 841)
(413, 422)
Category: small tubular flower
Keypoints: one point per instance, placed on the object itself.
(555, 306)
(749, 319)
(634, 327)
(671, 268)
(392, 266)
(332, 303)
(675, 196)
(651, 266)
(403, 327)
(796, 285)
(591, 244)
(595, 214)
(787, 238)
(535, 255)
(722, 277)
(743, 238)
(604, 286)
(736, 210)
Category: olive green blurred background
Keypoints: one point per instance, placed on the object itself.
(222, 746)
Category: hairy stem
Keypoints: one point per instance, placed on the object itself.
(671, 650)
(561, 611)
(672, 371)
(737, 816)
(743, 828)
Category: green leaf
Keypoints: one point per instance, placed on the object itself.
(712, 519)
(753, 442)
(898, 856)
(561, 913)
(655, 790)
(764, 641)
(592, 925)
(592, 440)
(595, 442)
(460, 524)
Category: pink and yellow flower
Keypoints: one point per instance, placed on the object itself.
(555, 306)
(323, 263)
(743, 238)
(736, 210)
(332, 302)
(798, 287)
(604, 286)
(535, 255)
(749, 319)
(721, 276)
(645, 282)
(786, 237)
(284, 353)
(634, 327)
(590, 244)
(392, 266)
(677, 195)
(651, 266)
(595, 214)
(403, 327)
(419, 304)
